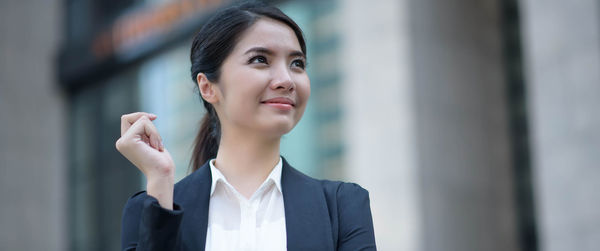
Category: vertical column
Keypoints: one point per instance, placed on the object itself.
(377, 96)
(33, 163)
(465, 171)
(562, 52)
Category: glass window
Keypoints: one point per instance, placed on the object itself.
(315, 146)
(167, 90)
(101, 179)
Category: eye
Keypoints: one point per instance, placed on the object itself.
(258, 59)
(298, 63)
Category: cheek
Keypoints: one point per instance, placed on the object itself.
(241, 103)
(303, 86)
(242, 88)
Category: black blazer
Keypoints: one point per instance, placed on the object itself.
(319, 215)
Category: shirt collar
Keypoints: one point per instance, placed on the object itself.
(216, 175)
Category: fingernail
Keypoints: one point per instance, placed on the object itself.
(162, 147)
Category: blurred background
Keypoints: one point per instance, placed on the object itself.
(472, 123)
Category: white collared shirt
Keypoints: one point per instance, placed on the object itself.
(237, 223)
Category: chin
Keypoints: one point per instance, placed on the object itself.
(279, 128)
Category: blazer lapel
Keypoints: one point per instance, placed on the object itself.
(307, 220)
(195, 221)
(308, 225)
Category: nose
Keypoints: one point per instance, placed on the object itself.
(282, 79)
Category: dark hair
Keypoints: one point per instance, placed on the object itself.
(213, 43)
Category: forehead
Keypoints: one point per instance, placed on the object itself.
(268, 33)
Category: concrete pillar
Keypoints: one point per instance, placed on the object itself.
(562, 54)
(377, 90)
(426, 123)
(462, 128)
(33, 173)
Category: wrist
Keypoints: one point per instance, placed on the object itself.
(161, 188)
(160, 172)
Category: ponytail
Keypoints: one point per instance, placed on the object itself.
(206, 144)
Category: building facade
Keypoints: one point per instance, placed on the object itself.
(472, 124)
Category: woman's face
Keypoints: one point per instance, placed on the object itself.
(263, 87)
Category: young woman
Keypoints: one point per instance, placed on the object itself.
(248, 62)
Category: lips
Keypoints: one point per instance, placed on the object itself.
(281, 104)
(280, 100)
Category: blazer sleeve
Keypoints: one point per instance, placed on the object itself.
(147, 226)
(355, 220)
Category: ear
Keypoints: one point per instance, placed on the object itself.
(208, 90)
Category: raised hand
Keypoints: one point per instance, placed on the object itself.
(142, 145)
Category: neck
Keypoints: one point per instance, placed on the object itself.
(246, 160)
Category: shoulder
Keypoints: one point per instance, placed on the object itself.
(344, 192)
(351, 213)
(338, 192)
(341, 187)
(349, 209)
(332, 189)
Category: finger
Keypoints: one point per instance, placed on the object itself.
(128, 119)
(153, 134)
(157, 142)
(148, 132)
(146, 139)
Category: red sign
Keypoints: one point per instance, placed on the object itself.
(138, 26)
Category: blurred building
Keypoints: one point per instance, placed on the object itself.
(473, 124)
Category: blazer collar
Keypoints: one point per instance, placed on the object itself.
(216, 175)
(307, 221)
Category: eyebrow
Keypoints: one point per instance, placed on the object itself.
(270, 52)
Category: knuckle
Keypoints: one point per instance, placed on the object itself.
(122, 144)
(129, 115)
(119, 144)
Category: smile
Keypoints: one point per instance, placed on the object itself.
(284, 104)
